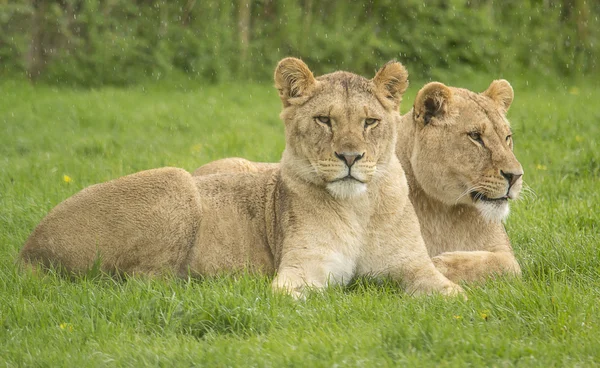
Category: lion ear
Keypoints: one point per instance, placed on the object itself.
(391, 81)
(432, 102)
(293, 79)
(501, 92)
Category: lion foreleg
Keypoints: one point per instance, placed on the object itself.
(476, 265)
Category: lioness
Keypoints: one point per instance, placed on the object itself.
(456, 148)
(337, 207)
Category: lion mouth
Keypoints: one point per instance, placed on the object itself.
(478, 196)
(348, 178)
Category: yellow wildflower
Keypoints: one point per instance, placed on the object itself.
(579, 138)
(484, 314)
(66, 327)
(457, 317)
(541, 167)
(67, 179)
(574, 91)
(197, 148)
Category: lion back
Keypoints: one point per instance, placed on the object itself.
(233, 165)
(141, 223)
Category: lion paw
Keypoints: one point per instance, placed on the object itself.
(454, 290)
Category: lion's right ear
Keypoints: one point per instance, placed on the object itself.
(432, 102)
(293, 80)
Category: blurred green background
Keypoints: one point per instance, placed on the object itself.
(123, 42)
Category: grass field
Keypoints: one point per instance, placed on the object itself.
(54, 142)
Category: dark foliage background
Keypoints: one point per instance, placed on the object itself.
(120, 42)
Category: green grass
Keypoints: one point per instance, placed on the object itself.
(549, 318)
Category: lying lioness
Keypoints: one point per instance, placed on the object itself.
(337, 207)
(456, 148)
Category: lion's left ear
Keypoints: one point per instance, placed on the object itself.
(501, 92)
(391, 81)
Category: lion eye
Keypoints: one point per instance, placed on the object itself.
(476, 136)
(371, 121)
(324, 120)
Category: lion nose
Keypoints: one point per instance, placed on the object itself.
(349, 157)
(511, 177)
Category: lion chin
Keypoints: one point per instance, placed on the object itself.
(346, 188)
(493, 212)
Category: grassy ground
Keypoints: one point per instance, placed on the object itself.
(54, 142)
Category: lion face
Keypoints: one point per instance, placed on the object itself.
(463, 150)
(340, 127)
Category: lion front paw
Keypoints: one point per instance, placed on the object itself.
(475, 266)
(436, 284)
(453, 290)
(297, 293)
(296, 288)
(441, 265)
(460, 266)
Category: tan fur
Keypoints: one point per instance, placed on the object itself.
(445, 167)
(337, 208)
(141, 223)
(464, 244)
(233, 165)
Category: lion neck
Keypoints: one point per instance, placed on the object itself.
(444, 227)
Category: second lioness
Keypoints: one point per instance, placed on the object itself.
(337, 207)
(456, 148)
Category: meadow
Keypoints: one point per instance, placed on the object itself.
(54, 141)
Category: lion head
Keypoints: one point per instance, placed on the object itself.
(463, 147)
(340, 127)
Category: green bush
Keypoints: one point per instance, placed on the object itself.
(119, 42)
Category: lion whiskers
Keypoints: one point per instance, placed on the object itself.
(468, 191)
(337, 170)
(527, 193)
(344, 189)
(491, 212)
(380, 171)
